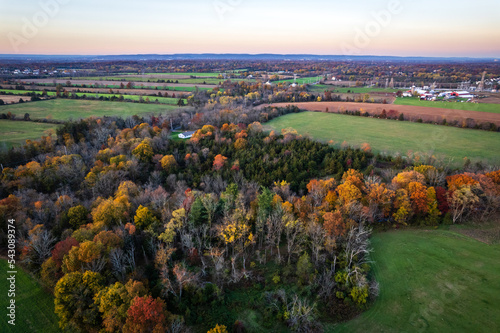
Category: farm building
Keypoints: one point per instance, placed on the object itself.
(186, 135)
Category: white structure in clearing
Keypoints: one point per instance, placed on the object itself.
(186, 135)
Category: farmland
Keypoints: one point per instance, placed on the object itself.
(303, 80)
(162, 100)
(432, 281)
(113, 83)
(66, 109)
(104, 90)
(480, 107)
(396, 137)
(410, 112)
(353, 90)
(137, 78)
(34, 306)
(14, 133)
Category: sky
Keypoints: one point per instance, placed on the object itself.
(364, 27)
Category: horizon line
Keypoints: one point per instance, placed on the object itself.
(249, 54)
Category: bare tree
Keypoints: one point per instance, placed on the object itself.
(274, 230)
(183, 277)
(326, 281)
(356, 251)
(317, 235)
(293, 233)
(118, 263)
(217, 256)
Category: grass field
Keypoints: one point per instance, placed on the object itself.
(394, 136)
(136, 78)
(432, 281)
(34, 306)
(117, 86)
(354, 90)
(162, 100)
(15, 133)
(482, 107)
(201, 74)
(303, 80)
(66, 109)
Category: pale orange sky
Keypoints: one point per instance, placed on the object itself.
(426, 28)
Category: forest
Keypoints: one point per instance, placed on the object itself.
(135, 230)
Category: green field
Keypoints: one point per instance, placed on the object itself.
(483, 107)
(66, 109)
(204, 74)
(354, 90)
(135, 78)
(432, 281)
(15, 133)
(162, 100)
(117, 86)
(34, 306)
(395, 136)
(303, 80)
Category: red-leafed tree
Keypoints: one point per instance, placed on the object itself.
(442, 199)
(146, 314)
(62, 248)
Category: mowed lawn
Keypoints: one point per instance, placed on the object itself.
(432, 281)
(481, 107)
(15, 133)
(66, 109)
(34, 306)
(393, 136)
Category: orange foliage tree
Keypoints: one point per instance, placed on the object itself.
(219, 162)
(146, 314)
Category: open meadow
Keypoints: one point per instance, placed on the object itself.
(346, 90)
(66, 109)
(15, 133)
(393, 136)
(116, 83)
(162, 100)
(431, 281)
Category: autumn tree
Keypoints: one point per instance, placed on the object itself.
(218, 329)
(379, 199)
(62, 248)
(404, 178)
(78, 216)
(146, 314)
(144, 151)
(402, 205)
(108, 239)
(461, 201)
(219, 162)
(74, 301)
(114, 301)
(334, 224)
(418, 197)
(168, 163)
(144, 218)
(110, 212)
(432, 207)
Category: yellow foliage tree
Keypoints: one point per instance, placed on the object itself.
(144, 217)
